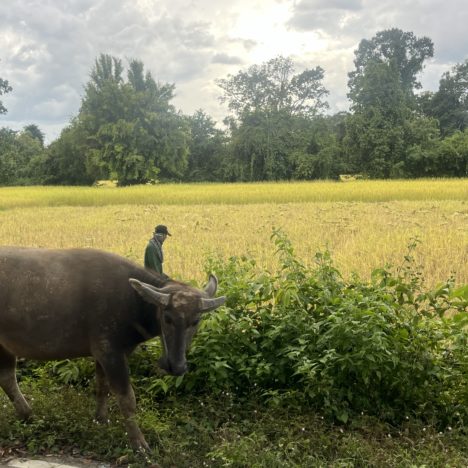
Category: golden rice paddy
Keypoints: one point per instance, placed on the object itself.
(365, 224)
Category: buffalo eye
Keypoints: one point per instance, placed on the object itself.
(168, 319)
(195, 322)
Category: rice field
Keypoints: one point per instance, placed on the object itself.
(371, 191)
(365, 224)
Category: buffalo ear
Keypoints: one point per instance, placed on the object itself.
(212, 286)
(210, 304)
(150, 293)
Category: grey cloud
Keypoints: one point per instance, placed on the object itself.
(309, 15)
(47, 48)
(249, 44)
(445, 25)
(314, 5)
(312, 20)
(56, 45)
(226, 59)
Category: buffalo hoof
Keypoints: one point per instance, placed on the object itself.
(25, 416)
(102, 419)
(140, 445)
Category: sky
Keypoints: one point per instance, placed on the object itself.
(48, 47)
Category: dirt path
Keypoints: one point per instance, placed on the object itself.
(51, 462)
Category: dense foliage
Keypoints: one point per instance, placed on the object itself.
(127, 129)
(307, 336)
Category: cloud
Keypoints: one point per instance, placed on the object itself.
(226, 59)
(47, 48)
(344, 24)
(445, 23)
(316, 5)
(327, 15)
(47, 51)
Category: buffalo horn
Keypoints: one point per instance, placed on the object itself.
(211, 304)
(150, 293)
(212, 286)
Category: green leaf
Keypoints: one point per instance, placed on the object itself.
(460, 293)
(343, 416)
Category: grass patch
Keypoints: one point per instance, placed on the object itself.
(201, 432)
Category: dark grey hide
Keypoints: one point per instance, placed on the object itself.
(57, 304)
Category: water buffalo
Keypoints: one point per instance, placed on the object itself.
(57, 304)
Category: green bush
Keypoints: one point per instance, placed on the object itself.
(305, 336)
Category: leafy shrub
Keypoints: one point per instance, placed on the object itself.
(305, 336)
(67, 371)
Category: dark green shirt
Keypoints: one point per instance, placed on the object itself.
(154, 257)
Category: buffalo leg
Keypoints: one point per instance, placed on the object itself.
(10, 385)
(116, 371)
(102, 394)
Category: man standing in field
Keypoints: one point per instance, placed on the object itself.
(154, 256)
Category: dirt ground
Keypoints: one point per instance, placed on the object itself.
(50, 462)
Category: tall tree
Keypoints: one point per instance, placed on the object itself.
(260, 146)
(207, 148)
(131, 126)
(67, 161)
(35, 133)
(20, 155)
(104, 100)
(380, 130)
(270, 103)
(321, 155)
(273, 86)
(404, 49)
(383, 125)
(449, 105)
(4, 89)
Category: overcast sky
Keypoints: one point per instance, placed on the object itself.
(48, 47)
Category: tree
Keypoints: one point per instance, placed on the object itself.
(8, 156)
(20, 155)
(207, 148)
(321, 154)
(67, 161)
(104, 100)
(4, 89)
(404, 49)
(130, 126)
(271, 105)
(273, 87)
(35, 132)
(383, 124)
(443, 158)
(449, 105)
(259, 147)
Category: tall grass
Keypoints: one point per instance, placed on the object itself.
(237, 194)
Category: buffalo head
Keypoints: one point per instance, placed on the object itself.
(180, 309)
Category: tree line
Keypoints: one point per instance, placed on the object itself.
(127, 128)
